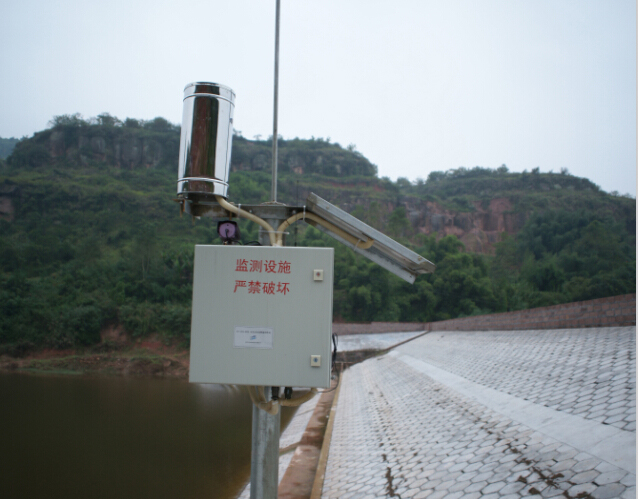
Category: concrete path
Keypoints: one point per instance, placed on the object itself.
(492, 415)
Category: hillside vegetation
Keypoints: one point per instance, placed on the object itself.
(90, 237)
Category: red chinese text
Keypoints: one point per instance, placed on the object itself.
(284, 267)
(270, 266)
(263, 288)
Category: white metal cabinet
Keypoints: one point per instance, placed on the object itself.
(262, 315)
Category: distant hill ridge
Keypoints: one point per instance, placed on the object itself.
(134, 143)
(477, 205)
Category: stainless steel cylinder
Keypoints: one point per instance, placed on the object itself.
(206, 140)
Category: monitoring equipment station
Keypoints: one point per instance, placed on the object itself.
(250, 324)
(262, 315)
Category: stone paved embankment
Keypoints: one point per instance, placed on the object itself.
(508, 414)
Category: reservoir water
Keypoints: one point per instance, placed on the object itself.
(76, 437)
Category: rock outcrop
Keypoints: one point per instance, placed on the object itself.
(9, 193)
(125, 152)
(478, 230)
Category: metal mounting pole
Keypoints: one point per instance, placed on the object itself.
(264, 458)
(273, 191)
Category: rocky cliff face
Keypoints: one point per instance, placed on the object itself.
(9, 193)
(478, 230)
(125, 151)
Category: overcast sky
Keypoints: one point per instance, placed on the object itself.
(417, 86)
